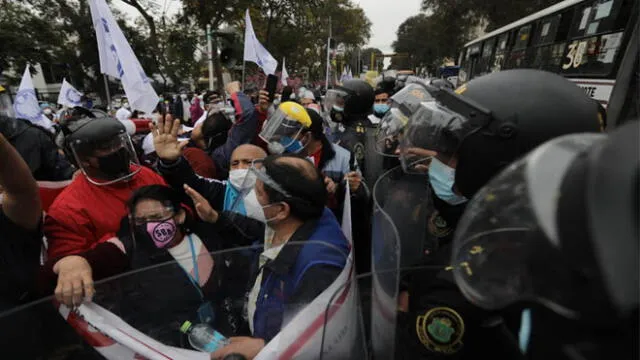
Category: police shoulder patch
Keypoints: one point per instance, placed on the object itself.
(437, 226)
(440, 330)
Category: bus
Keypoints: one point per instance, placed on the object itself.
(594, 43)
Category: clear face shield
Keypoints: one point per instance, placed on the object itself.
(281, 133)
(506, 246)
(335, 99)
(403, 104)
(107, 162)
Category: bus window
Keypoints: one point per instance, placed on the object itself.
(594, 55)
(546, 32)
(601, 16)
(485, 64)
(498, 61)
(522, 39)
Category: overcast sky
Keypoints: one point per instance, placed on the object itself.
(385, 16)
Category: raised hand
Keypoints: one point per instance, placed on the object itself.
(203, 208)
(165, 138)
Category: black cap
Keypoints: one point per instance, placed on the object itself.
(317, 124)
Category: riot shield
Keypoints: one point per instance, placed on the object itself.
(402, 205)
(139, 314)
(373, 159)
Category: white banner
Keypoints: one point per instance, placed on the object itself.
(69, 96)
(333, 316)
(26, 104)
(118, 60)
(284, 75)
(116, 340)
(255, 52)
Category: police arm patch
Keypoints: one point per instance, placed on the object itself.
(440, 330)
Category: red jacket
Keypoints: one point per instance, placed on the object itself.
(84, 214)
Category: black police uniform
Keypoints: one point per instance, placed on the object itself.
(441, 322)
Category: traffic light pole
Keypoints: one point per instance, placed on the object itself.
(328, 56)
(210, 53)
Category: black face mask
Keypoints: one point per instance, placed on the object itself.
(336, 116)
(115, 164)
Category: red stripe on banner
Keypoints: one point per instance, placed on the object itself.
(93, 338)
(316, 324)
(145, 345)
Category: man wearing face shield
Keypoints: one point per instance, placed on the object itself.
(82, 222)
(554, 237)
(293, 196)
(296, 130)
(475, 132)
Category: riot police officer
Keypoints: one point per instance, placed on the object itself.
(475, 132)
(555, 236)
(349, 105)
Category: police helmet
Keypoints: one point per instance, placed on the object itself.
(359, 99)
(506, 114)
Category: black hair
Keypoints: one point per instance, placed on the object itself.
(216, 128)
(308, 194)
(379, 91)
(317, 131)
(164, 194)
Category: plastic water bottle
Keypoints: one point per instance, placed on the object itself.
(203, 337)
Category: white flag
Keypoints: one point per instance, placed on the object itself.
(69, 96)
(350, 75)
(118, 60)
(255, 52)
(26, 103)
(285, 75)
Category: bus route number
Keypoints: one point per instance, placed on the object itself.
(575, 55)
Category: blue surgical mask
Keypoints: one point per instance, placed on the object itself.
(525, 330)
(338, 108)
(442, 178)
(380, 109)
(294, 147)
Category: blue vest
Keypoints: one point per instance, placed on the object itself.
(277, 289)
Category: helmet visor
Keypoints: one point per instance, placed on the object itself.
(390, 131)
(108, 161)
(335, 98)
(506, 247)
(281, 131)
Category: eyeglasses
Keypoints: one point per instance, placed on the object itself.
(163, 215)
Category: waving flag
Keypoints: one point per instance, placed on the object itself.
(69, 96)
(255, 52)
(285, 75)
(26, 103)
(118, 60)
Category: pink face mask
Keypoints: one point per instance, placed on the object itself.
(162, 232)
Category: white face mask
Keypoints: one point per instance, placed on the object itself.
(253, 207)
(242, 179)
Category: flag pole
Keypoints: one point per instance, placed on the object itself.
(242, 83)
(106, 89)
(328, 56)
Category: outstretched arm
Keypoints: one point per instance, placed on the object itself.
(21, 202)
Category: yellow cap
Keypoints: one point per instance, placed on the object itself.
(295, 111)
(185, 326)
(1, 88)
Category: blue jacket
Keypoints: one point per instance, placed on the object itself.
(299, 273)
(243, 131)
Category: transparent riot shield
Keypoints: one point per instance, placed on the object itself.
(139, 314)
(374, 161)
(402, 205)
